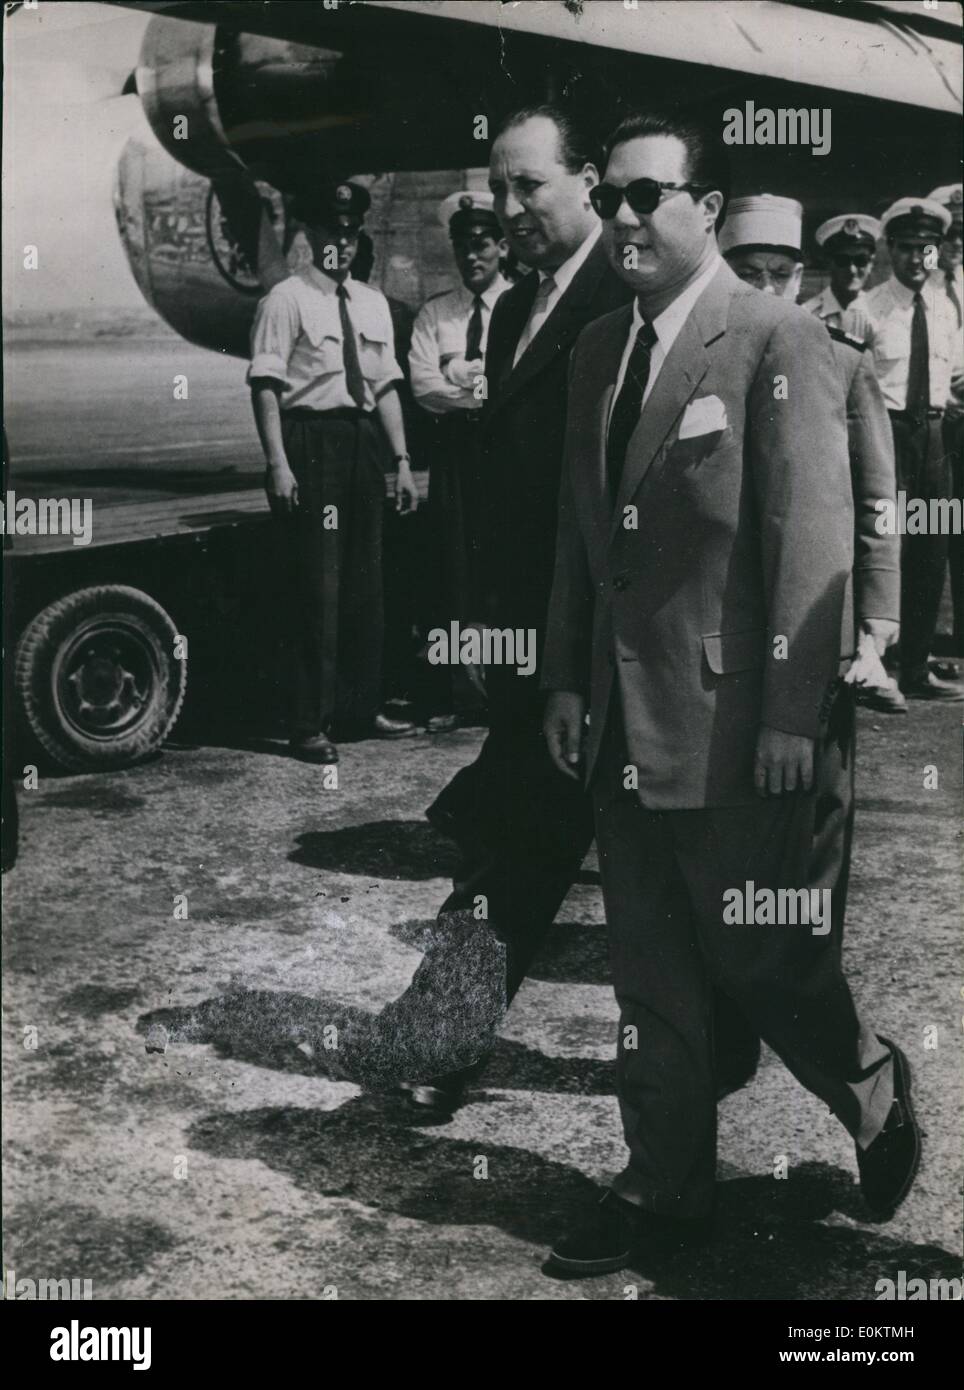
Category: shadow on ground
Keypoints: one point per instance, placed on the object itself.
(770, 1242)
(390, 849)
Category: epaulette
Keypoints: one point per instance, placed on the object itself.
(839, 336)
(439, 294)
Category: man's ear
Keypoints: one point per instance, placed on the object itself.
(503, 246)
(712, 202)
(590, 175)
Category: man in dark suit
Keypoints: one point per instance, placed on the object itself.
(523, 828)
(703, 577)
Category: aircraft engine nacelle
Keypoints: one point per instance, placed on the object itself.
(292, 114)
(243, 121)
(213, 96)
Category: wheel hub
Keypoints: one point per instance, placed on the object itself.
(105, 679)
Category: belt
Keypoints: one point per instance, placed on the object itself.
(347, 412)
(934, 413)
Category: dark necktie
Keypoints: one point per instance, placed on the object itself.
(353, 372)
(473, 338)
(918, 371)
(629, 403)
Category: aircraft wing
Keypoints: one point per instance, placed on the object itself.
(885, 49)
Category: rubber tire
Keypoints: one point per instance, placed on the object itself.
(37, 651)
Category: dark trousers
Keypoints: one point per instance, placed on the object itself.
(737, 1044)
(923, 470)
(523, 826)
(332, 580)
(453, 511)
(954, 448)
(664, 877)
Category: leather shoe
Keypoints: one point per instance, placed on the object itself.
(384, 726)
(313, 748)
(615, 1232)
(887, 699)
(924, 685)
(889, 1165)
(440, 1097)
(442, 723)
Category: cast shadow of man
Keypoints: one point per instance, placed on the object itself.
(389, 849)
(771, 1244)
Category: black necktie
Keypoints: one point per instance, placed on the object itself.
(353, 372)
(918, 371)
(629, 403)
(473, 338)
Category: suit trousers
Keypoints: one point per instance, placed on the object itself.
(664, 876)
(529, 828)
(923, 470)
(954, 445)
(453, 511)
(737, 1043)
(332, 574)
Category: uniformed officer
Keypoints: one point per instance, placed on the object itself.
(848, 245)
(446, 366)
(771, 229)
(774, 264)
(950, 277)
(917, 352)
(322, 369)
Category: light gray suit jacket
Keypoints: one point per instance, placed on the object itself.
(723, 609)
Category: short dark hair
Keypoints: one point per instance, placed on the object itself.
(707, 161)
(576, 146)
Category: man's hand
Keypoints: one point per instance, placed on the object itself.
(884, 632)
(406, 493)
(463, 374)
(563, 727)
(783, 762)
(281, 488)
(865, 669)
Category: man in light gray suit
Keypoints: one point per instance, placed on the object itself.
(702, 581)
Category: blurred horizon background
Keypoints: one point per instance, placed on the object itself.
(64, 126)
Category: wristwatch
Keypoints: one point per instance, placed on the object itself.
(398, 458)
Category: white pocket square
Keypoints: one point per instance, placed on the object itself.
(707, 415)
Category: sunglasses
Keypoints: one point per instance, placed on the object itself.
(843, 259)
(642, 195)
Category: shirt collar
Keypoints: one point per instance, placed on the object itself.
(324, 282)
(901, 293)
(668, 324)
(488, 297)
(564, 276)
(829, 303)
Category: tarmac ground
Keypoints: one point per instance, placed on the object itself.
(240, 1166)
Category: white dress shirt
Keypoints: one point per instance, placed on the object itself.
(562, 279)
(855, 319)
(667, 328)
(891, 306)
(296, 340)
(437, 353)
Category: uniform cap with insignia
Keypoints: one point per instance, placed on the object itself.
(764, 220)
(340, 204)
(951, 197)
(850, 231)
(468, 209)
(915, 219)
